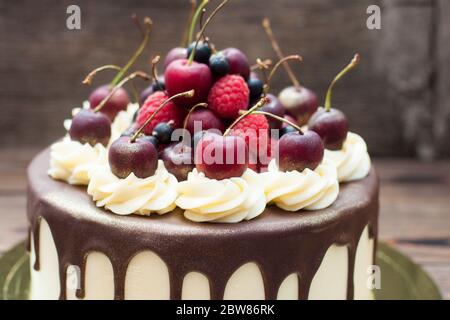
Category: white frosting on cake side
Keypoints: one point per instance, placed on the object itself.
(352, 161)
(228, 200)
(308, 190)
(132, 194)
(74, 162)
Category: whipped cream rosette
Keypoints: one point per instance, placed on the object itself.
(352, 161)
(143, 196)
(74, 162)
(308, 190)
(228, 200)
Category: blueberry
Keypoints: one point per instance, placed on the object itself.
(202, 53)
(163, 132)
(219, 64)
(256, 88)
(153, 140)
(287, 129)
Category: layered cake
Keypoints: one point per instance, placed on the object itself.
(211, 187)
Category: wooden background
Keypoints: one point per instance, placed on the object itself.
(398, 99)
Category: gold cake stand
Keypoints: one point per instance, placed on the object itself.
(400, 277)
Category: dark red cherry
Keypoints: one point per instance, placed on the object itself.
(119, 100)
(301, 102)
(178, 160)
(139, 157)
(221, 157)
(238, 62)
(297, 151)
(331, 125)
(203, 119)
(175, 54)
(181, 76)
(274, 107)
(90, 127)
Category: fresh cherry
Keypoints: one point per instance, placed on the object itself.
(219, 65)
(221, 157)
(175, 54)
(203, 119)
(118, 101)
(90, 127)
(178, 160)
(163, 132)
(202, 53)
(331, 124)
(273, 106)
(128, 156)
(238, 62)
(182, 76)
(289, 118)
(297, 151)
(301, 102)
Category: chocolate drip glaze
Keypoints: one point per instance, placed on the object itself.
(279, 242)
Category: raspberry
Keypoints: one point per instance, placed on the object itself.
(229, 95)
(170, 112)
(254, 129)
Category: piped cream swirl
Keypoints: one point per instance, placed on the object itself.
(308, 190)
(352, 161)
(74, 162)
(228, 200)
(132, 194)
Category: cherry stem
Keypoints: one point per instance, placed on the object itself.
(135, 92)
(277, 49)
(155, 62)
(350, 66)
(277, 65)
(136, 21)
(279, 119)
(198, 105)
(195, 18)
(133, 75)
(187, 94)
(257, 66)
(148, 23)
(202, 31)
(263, 67)
(186, 36)
(93, 73)
(258, 105)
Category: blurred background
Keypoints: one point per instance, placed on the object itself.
(398, 99)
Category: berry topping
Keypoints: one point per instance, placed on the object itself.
(331, 124)
(139, 157)
(118, 101)
(238, 62)
(202, 52)
(90, 127)
(171, 112)
(299, 151)
(178, 160)
(175, 54)
(219, 65)
(203, 119)
(221, 157)
(229, 95)
(163, 132)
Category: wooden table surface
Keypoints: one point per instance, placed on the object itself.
(414, 218)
